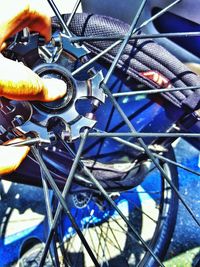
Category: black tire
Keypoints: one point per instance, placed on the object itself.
(130, 255)
(168, 218)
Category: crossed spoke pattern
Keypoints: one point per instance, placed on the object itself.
(108, 225)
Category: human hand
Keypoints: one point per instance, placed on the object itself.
(12, 157)
(23, 84)
(15, 15)
(18, 82)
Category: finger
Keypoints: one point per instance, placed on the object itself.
(42, 25)
(54, 89)
(12, 157)
(13, 141)
(19, 85)
(39, 21)
(46, 29)
(27, 85)
(3, 46)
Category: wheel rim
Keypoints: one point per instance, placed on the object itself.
(84, 136)
(108, 235)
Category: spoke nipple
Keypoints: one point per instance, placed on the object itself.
(90, 116)
(66, 136)
(91, 72)
(52, 138)
(18, 121)
(114, 195)
(95, 103)
(41, 41)
(176, 127)
(56, 41)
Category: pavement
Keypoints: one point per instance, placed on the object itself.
(185, 246)
(22, 213)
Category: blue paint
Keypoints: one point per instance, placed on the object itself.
(10, 246)
(170, 22)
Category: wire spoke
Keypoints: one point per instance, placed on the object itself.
(148, 152)
(104, 231)
(159, 156)
(133, 37)
(108, 199)
(112, 203)
(144, 148)
(157, 15)
(95, 58)
(144, 213)
(125, 41)
(73, 12)
(118, 245)
(140, 134)
(63, 205)
(59, 16)
(155, 91)
(124, 225)
(49, 216)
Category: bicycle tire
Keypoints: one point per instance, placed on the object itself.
(181, 103)
(161, 237)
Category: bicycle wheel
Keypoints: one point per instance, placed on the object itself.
(108, 140)
(151, 211)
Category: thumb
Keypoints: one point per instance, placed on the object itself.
(11, 157)
(24, 84)
(53, 89)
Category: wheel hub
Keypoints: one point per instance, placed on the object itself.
(49, 71)
(61, 60)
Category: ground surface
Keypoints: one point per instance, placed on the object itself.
(22, 215)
